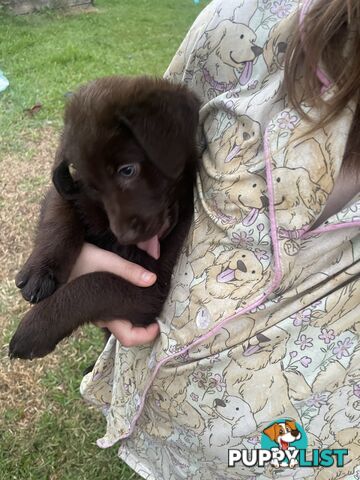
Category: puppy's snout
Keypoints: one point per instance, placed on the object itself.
(125, 231)
(132, 229)
(134, 222)
(138, 226)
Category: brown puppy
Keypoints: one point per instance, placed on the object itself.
(123, 175)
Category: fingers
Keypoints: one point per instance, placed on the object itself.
(95, 259)
(130, 336)
(133, 273)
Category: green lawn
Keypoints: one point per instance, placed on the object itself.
(44, 56)
(46, 430)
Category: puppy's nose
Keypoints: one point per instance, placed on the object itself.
(124, 234)
(219, 402)
(246, 136)
(295, 433)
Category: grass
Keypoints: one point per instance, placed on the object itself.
(46, 430)
(60, 443)
(47, 55)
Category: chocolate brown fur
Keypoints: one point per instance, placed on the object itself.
(110, 123)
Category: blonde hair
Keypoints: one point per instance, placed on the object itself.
(328, 35)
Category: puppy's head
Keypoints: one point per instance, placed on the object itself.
(283, 433)
(126, 144)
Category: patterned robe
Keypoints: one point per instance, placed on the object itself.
(262, 320)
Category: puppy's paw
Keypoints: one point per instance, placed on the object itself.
(35, 336)
(36, 283)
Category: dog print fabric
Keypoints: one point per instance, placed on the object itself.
(262, 320)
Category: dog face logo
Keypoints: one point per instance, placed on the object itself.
(284, 444)
(284, 435)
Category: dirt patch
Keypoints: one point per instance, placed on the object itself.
(24, 178)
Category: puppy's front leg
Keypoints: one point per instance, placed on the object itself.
(89, 298)
(58, 242)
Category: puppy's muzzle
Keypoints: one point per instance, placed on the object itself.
(127, 231)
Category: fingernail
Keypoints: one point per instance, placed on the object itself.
(147, 277)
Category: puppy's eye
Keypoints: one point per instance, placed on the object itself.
(127, 171)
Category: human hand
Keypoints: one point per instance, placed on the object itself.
(128, 335)
(94, 259)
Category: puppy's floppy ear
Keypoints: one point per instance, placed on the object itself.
(272, 431)
(164, 124)
(64, 182)
(291, 424)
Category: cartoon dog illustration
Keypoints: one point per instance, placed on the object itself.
(169, 405)
(236, 198)
(275, 47)
(297, 203)
(229, 278)
(255, 367)
(230, 420)
(283, 433)
(238, 145)
(252, 197)
(238, 56)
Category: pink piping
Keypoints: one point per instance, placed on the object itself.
(306, 232)
(329, 228)
(319, 72)
(261, 299)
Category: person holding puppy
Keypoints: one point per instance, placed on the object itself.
(262, 319)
